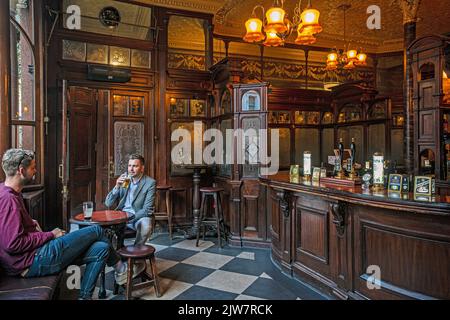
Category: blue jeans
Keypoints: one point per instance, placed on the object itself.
(85, 246)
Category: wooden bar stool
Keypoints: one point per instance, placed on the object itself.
(167, 214)
(141, 252)
(218, 219)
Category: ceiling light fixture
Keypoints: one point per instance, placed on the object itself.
(275, 26)
(348, 58)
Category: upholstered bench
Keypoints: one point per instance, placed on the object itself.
(17, 288)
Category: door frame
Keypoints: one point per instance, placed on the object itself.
(149, 134)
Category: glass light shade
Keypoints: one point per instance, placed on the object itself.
(444, 75)
(352, 54)
(275, 20)
(272, 40)
(350, 65)
(332, 57)
(362, 57)
(254, 34)
(331, 66)
(305, 39)
(310, 21)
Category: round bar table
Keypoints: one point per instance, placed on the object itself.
(114, 223)
(192, 232)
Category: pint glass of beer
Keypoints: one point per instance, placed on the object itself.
(126, 182)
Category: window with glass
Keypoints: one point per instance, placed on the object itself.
(112, 18)
(24, 119)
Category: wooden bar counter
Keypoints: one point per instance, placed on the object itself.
(337, 237)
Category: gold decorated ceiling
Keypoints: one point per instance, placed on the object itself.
(230, 16)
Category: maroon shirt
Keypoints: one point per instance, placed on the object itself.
(19, 238)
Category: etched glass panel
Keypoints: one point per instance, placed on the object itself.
(225, 169)
(97, 53)
(251, 146)
(128, 139)
(74, 50)
(119, 56)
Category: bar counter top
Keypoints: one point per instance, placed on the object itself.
(436, 204)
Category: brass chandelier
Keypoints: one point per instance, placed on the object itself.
(348, 58)
(273, 29)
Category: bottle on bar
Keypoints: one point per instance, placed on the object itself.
(387, 172)
(341, 172)
(367, 176)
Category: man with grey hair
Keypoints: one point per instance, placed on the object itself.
(27, 251)
(135, 194)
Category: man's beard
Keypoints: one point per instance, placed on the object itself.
(27, 180)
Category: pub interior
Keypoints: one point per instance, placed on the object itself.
(333, 184)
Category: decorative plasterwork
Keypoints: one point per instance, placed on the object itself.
(410, 9)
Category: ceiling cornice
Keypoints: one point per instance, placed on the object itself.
(205, 6)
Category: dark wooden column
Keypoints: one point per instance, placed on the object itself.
(306, 67)
(409, 37)
(5, 80)
(161, 124)
(261, 59)
(410, 9)
(209, 44)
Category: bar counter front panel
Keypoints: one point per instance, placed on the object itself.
(336, 237)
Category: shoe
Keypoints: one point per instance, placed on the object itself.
(121, 277)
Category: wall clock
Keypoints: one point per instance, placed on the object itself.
(109, 17)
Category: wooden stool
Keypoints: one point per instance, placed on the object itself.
(141, 252)
(218, 220)
(164, 215)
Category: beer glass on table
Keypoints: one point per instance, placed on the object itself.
(88, 208)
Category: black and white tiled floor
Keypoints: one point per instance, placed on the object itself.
(207, 272)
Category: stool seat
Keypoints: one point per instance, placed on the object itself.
(149, 277)
(136, 252)
(214, 194)
(210, 189)
(163, 187)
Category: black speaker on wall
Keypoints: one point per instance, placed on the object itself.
(108, 74)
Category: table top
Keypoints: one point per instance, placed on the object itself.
(103, 218)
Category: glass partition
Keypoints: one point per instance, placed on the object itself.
(284, 146)
(397, 146)
(327, 144)
(377, 139)
(307, 139)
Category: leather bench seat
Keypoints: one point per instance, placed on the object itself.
(17, 288)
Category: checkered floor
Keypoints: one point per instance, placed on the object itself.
(207, 272)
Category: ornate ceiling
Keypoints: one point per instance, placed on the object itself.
(230, 16)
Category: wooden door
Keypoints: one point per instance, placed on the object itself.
(104, 175)
(82, 125)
